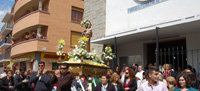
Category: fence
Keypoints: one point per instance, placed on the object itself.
(180, 58)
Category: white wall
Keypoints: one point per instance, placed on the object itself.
(118, 20)
(134, 52)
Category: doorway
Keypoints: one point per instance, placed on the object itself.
(170, 52)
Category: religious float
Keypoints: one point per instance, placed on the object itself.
(83, 62)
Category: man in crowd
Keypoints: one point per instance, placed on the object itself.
(65, 79)
(105, 85)
(21, 84)
(41, 79)
(135, 67)
(7, 83)
(153, 83)
(139, 75)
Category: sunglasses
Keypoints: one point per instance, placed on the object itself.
(127, 73)
(63, 68)
(40, 65)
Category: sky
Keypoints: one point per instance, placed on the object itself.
(5, 6)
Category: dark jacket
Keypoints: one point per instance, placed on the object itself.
(120, 87)
(195, 84)
(132, 85)
(110, 87)
(5, 83)
(43, 84)
(19, 84)
(64, 83)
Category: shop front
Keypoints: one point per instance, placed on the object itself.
(51, 60)
(26, 61)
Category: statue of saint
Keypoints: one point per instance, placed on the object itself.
(88, 31)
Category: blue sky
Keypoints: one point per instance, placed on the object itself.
(5, 6)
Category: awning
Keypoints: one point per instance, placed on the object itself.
(30, 57)
(52, 57)
(167, 29)
(53, 60)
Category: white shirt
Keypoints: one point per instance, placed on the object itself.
(123, 77)
(159, 86)
(139, 75)
(104, 88)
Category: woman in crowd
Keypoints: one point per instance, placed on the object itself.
(110, 72)
(194, 82)
(117, 70)
(116, 81)
(184, 83)
(122, 74)
(166, 72)
(171, 83)
(130, 83)
(7, 83)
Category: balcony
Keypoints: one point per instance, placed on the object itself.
(31, 19)
(30, 40)
(20, 3)
(24, 7)
(34, 32)
(5, 43)
(5, 57)
(27, 46)
(7, 17)
(6, 29)
(24, 4)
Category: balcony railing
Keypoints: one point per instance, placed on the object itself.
(1, 57)
(29, 39)
(6, 55)
(29, 13)
(6, 25)
(6, 40)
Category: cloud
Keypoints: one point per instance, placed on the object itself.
(2, 14)
(5, 6)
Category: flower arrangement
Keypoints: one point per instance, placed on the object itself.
(83, 42)
(108, 55)
(80, 54)
(93, 56)
(61, 44)
(77, 53)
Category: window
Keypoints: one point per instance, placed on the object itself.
(75, 36)
(76, 15)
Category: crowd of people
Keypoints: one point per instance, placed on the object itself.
(134, 78)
